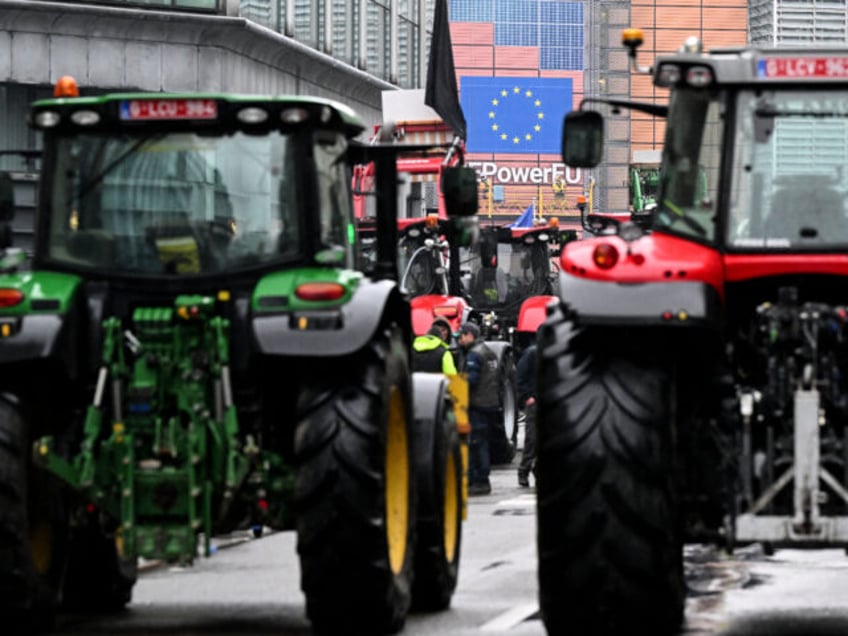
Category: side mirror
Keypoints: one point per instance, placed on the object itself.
(7, 198)
(488, 251)
(463, 231)
(459, 187)
(582, 139)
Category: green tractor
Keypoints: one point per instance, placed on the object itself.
(215, 362)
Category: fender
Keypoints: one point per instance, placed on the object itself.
(37, 327)
(426, 308)
(334, 331)
(533, 312)
(33, 337)
(669, 304)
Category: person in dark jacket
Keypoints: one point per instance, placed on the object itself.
(431, 352)
(481, 365)
(525, 376)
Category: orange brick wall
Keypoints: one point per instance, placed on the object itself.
(666, 25)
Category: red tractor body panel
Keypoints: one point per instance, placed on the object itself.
(654, 257)
(739, 267)
(426, 308)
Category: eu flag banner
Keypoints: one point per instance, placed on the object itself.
(515, 114)
(526, 218)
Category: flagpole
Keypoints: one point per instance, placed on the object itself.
(490, 198)
(541, 205)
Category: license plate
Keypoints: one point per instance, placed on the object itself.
(168, 109)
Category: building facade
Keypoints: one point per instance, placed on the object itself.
(348, 50)
(666, 25)
(574, 45)
(794, 23)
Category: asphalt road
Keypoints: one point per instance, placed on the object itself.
(251, 586)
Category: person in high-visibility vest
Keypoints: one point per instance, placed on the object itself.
(558, 187)
(431, 352)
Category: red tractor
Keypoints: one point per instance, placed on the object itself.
(429, 265)
(508, 268)
(693, 380)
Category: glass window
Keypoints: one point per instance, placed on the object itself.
(174, 204)
(791, 152)
(691, 164)
(501, 275)
(337, 232)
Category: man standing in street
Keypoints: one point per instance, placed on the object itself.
(525, 372)
(481, 365)
(431, 352)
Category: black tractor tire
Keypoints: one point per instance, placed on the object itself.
(355, 494)
(503, 438)
(32, 531)
(98, 577)
(438, 473)
(609, 532)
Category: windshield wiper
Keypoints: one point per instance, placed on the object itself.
(89, 185)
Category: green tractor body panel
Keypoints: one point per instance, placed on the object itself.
(33, 322)
(42, 292)
(324, 288)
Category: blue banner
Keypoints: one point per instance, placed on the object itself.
(526, 218)
(515, 114)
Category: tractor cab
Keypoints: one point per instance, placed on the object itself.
(509, 265)
(138, 187)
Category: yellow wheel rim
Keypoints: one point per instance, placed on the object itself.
(397, 481)
(41, 546)
(451, 511)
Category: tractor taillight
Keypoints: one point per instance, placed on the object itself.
(319, 291)
(11, 297)
(605, 256)
(446, 311)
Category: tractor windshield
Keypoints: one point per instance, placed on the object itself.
(181, 203)
(504, 274)
(691, 164)
(791, 150)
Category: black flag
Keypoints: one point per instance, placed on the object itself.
(441, 93)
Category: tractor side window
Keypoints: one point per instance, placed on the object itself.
(692, 164)
(790, 153)
(334, 181)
